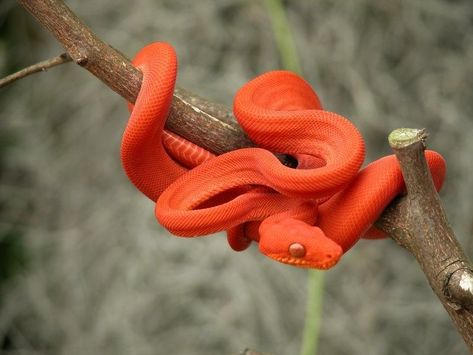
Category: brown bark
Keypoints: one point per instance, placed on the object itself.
(35, 68)
(207, 124)
(417, 222)
(422, 228)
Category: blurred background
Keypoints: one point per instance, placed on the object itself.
(86, 269)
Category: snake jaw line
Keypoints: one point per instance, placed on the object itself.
(306, 264)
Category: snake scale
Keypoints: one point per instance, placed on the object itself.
(306, 217)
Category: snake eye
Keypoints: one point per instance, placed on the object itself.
(297, 250)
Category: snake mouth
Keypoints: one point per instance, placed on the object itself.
(302, 263)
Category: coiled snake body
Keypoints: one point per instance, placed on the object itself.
(307, 217)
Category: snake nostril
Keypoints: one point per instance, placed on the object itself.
(297, 250)
(328, 256)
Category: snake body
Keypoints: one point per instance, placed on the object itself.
(307, 217)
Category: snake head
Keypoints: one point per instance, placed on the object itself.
(297, 243)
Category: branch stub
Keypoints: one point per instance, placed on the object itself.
(404, 137)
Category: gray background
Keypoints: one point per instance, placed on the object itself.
(104, 278)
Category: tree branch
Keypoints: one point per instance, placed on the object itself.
(35, 68)
(207, 124)
(417, 221)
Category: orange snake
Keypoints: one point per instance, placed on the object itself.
(308, 216)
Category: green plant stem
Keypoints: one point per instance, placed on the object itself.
(283, 35)
(290, 61)
(313, 314)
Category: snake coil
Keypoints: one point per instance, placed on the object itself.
(307, 217)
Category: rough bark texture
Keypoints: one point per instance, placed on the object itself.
(207, 124)
(417, 222)
(422, 228)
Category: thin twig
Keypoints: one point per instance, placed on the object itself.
(35, 68)
(204, 123)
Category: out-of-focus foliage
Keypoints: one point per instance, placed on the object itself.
(104, 278)
(12, 252)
